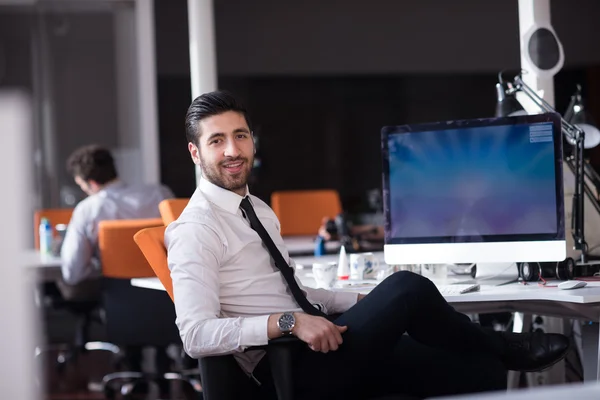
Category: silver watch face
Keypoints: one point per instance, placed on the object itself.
(286, 322)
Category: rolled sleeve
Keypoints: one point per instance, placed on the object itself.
(342, 301)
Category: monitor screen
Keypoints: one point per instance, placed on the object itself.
(486, 185)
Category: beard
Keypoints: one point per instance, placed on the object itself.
(218, 175)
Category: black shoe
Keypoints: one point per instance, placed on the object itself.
(534, 351)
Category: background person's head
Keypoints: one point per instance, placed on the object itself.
(220, 139)
(92, 167)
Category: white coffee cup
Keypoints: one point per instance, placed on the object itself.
(435, 272)
(363, 266)
(325, 274)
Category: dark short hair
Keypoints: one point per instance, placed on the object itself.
(207, 105)
(92, 162)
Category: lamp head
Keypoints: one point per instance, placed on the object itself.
(577, 115)
(507, 104)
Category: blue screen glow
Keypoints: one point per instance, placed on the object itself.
(493, 180)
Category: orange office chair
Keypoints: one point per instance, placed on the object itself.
(55, 216)
(170, 209)
(217, 371)
(300, 212)
(134, 316)
(151, 242)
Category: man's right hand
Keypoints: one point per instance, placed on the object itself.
(319, 333)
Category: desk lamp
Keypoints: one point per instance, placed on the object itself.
(507, 104)
(573, 134)
(577, 115)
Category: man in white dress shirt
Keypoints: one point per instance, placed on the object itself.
(93, 169)
(109, 198)
(230, 294)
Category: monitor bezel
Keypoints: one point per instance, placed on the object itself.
(554, 118)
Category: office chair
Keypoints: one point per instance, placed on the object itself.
(134, 316)
(85, 312)
(216, 371)
(170, 209)
(300, 212)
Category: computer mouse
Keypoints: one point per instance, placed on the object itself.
(566, 285)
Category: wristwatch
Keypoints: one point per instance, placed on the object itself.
(286, 323)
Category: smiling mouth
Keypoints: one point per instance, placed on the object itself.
(234, 167)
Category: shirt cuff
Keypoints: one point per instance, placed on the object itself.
(342, 301)
(254, 331)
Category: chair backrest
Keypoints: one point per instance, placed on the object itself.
(119, 255)
(300, 212)
(55, 216)
(151, 242)
(170, 209)
(133, 315)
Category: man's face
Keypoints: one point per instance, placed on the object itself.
(225, 150)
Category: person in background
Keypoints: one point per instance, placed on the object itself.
(225, 254)
(109, 198)
(330, 231)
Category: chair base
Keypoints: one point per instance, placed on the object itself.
(132, 378)
(68, 352)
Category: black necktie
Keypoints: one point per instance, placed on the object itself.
(280, 263)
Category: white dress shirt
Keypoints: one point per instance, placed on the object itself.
(117, 200)
(225, 283)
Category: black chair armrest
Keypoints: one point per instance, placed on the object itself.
(222, 379)
(218, 373)
(277, 341)
(281, 354)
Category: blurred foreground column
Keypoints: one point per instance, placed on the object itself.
(17, 374)
(203, 59)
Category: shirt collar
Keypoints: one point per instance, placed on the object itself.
(116, 184)
(223, 198)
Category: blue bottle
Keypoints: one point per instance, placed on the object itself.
(319, 246)
(46, 236)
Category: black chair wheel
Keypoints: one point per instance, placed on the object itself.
(529, 272)
(565, 269)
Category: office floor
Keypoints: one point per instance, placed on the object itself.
(77, 378)
(72, 382)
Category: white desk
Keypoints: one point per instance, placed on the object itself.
(305, 245)
(583, 304)
(45, 267)
(307, 261)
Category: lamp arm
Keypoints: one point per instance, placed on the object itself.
(575, 136)
(573, 132)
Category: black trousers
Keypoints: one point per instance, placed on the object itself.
(403, 338)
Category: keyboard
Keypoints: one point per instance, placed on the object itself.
(454, 290)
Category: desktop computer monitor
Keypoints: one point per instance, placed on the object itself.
(484, 190)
